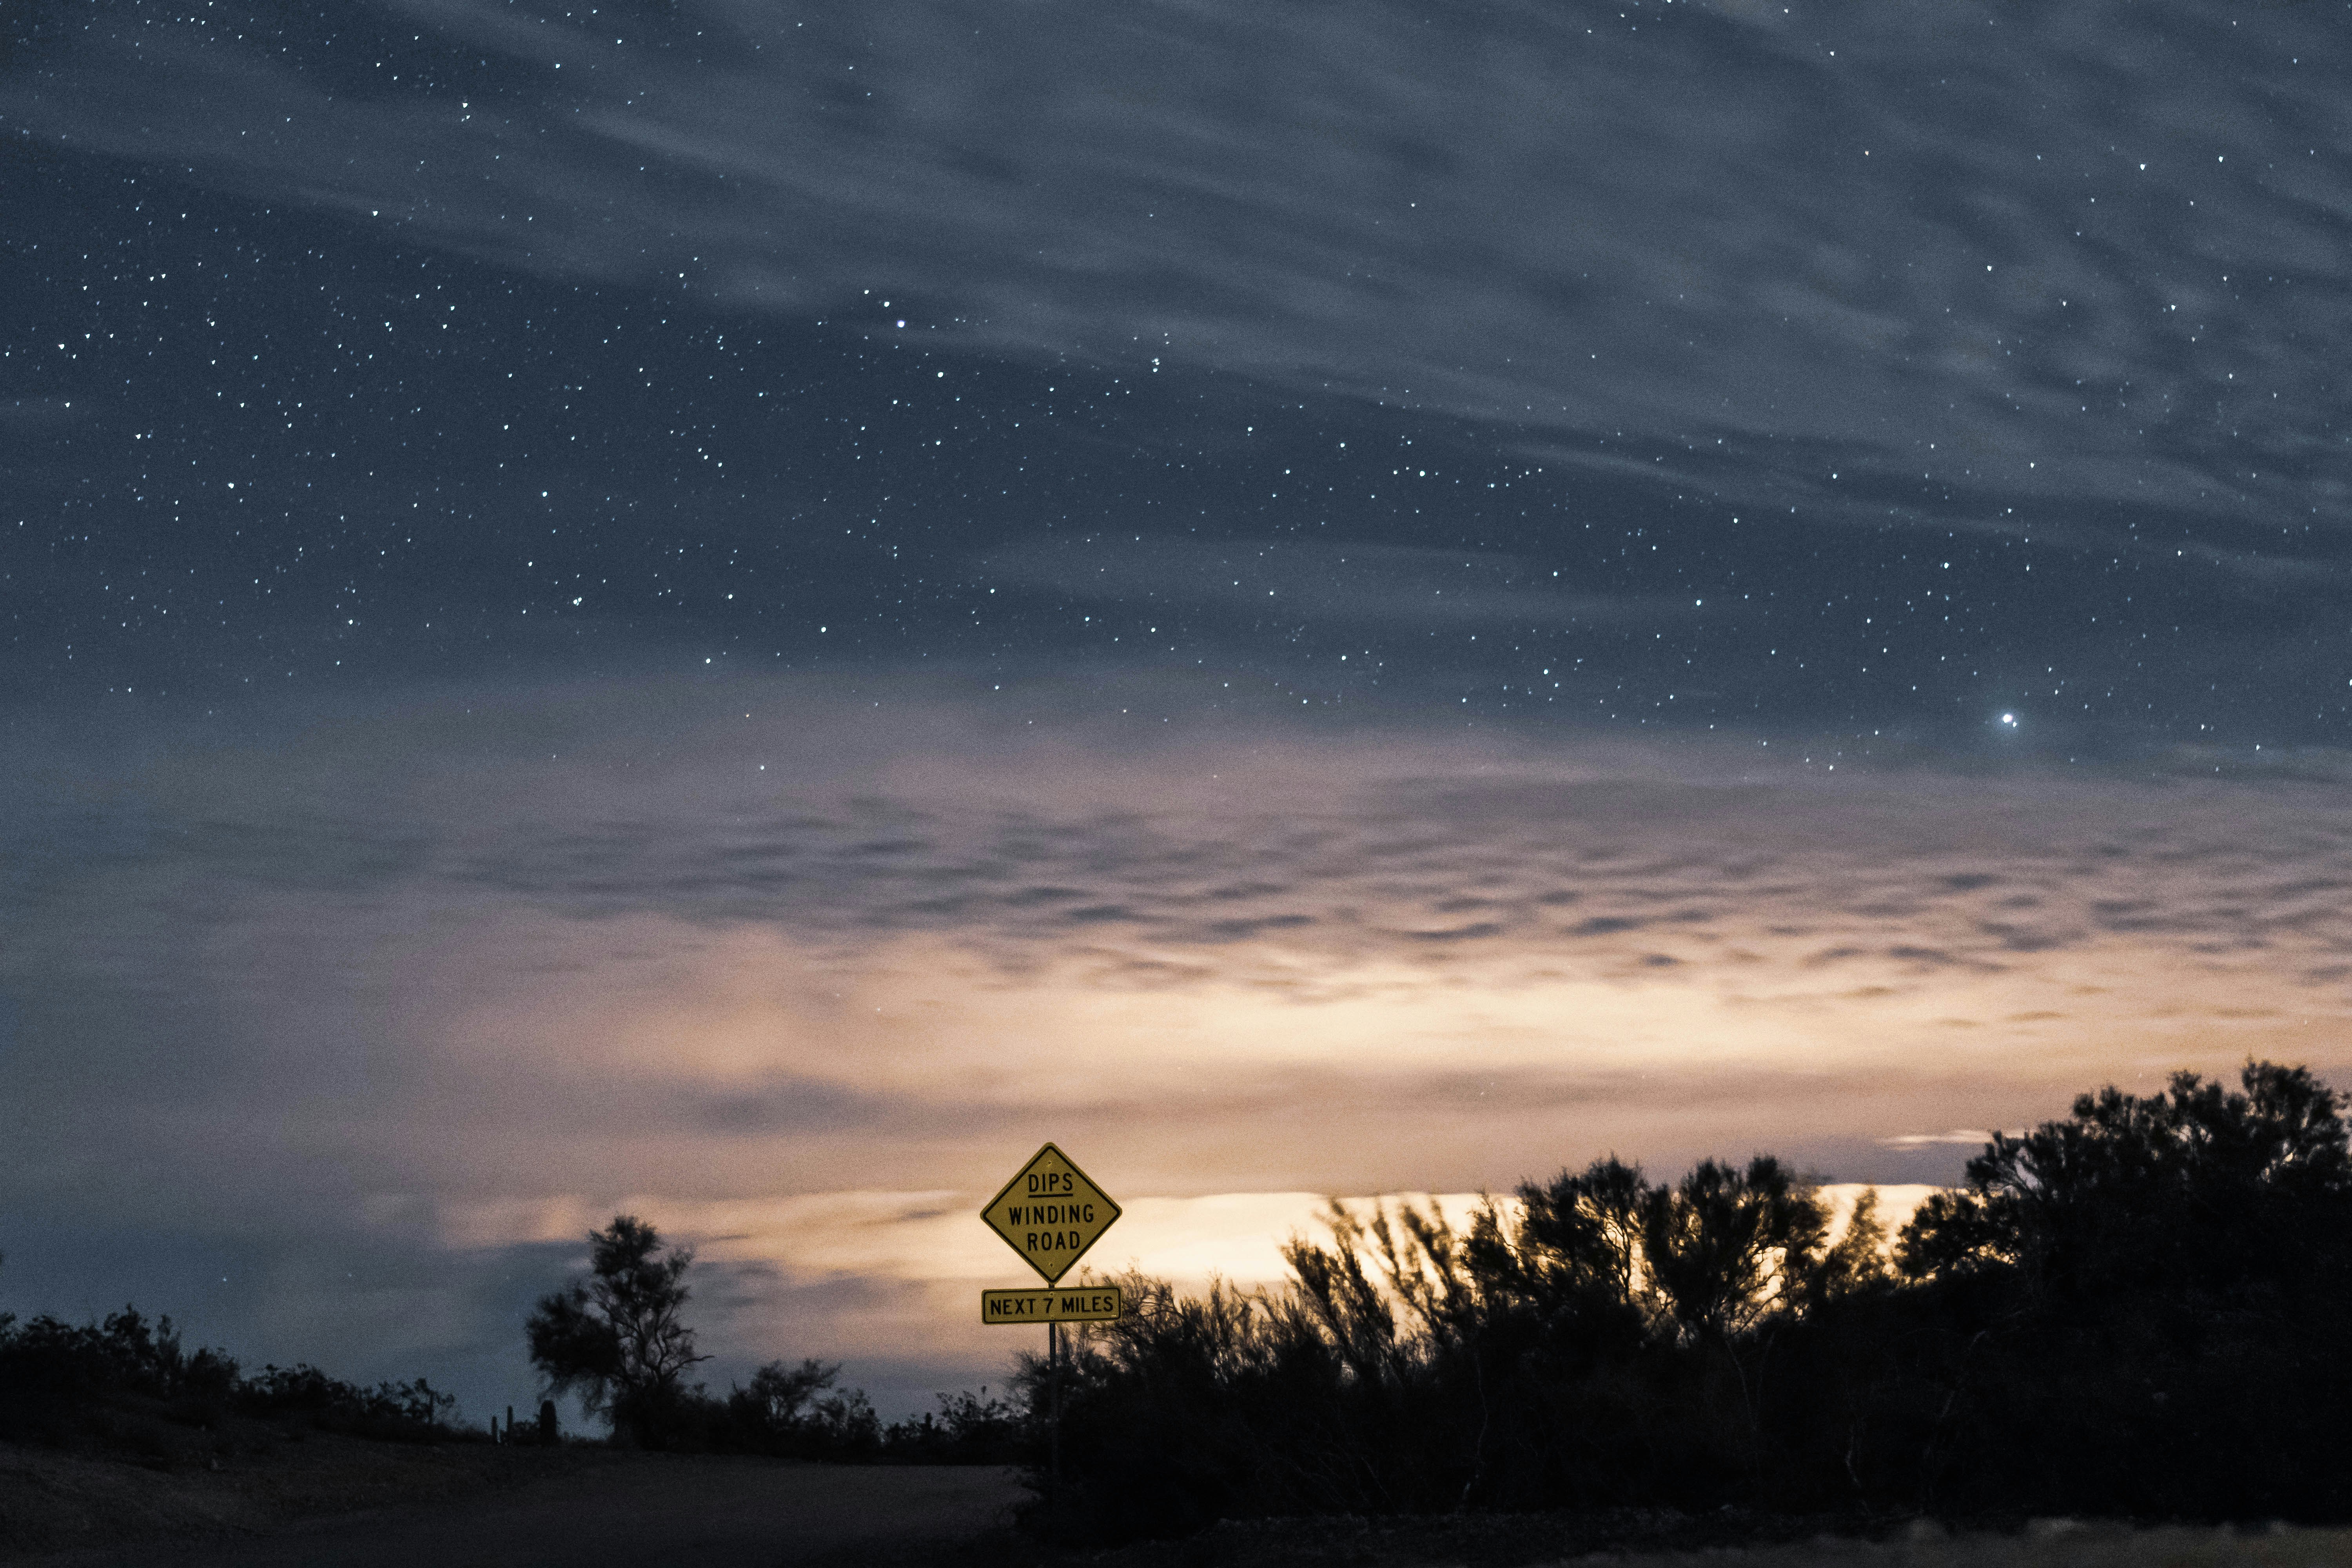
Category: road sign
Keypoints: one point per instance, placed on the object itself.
(1085, 1304)
(1050, 1213)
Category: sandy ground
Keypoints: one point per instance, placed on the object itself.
(515, 1508)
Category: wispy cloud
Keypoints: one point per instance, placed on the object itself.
(1958, 1137)
(1335, 586)
(2055, 258)
(917, 805)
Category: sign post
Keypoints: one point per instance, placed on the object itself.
(1051, 1213)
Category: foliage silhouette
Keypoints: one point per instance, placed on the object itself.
(617, 1339)
(2192, 1189)
(2138, 1309)
(128, 1383)
(2143, 1308)
(968, 1428)
(1726, 1248)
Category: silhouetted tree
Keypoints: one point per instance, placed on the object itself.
(617, 1338)
(2192, 1188)
(1724, 1245)
(1580, 1237)
(2143, 1307)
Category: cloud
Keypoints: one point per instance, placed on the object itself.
(1276, 579)
(1856, 260)
(923, 843)
(1958, 1137)
(917, 807)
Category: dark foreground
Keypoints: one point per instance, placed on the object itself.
(342, 1503)
(1526, 1541)
(337, 1501)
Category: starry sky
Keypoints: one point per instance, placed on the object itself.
(744, 610)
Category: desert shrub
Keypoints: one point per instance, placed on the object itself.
(127, 1382)
(791, 1412)
(413, 1411)
(799, 1412)
(966, 1428)
(58, 1381)
(2140, 1309)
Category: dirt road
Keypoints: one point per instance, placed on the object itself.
(649, 1513)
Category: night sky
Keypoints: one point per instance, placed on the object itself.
(744, 610)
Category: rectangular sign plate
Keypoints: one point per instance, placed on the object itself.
(1080, 1304)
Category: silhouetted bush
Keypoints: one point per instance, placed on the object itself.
(968, 1428)
(798, 1412)
(2139, 1310)
(127, 1382)
(57, 1378)
(788, 1412)
(398, 1411)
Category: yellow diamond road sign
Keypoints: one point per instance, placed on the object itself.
(1050, 1213)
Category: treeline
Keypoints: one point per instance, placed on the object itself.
(2142, 1309)
(795, 1412)
(128, 1384)
(618, 1339)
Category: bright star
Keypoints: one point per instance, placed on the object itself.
(2009, 718)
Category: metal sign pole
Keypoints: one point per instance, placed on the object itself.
(1053, 1471)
